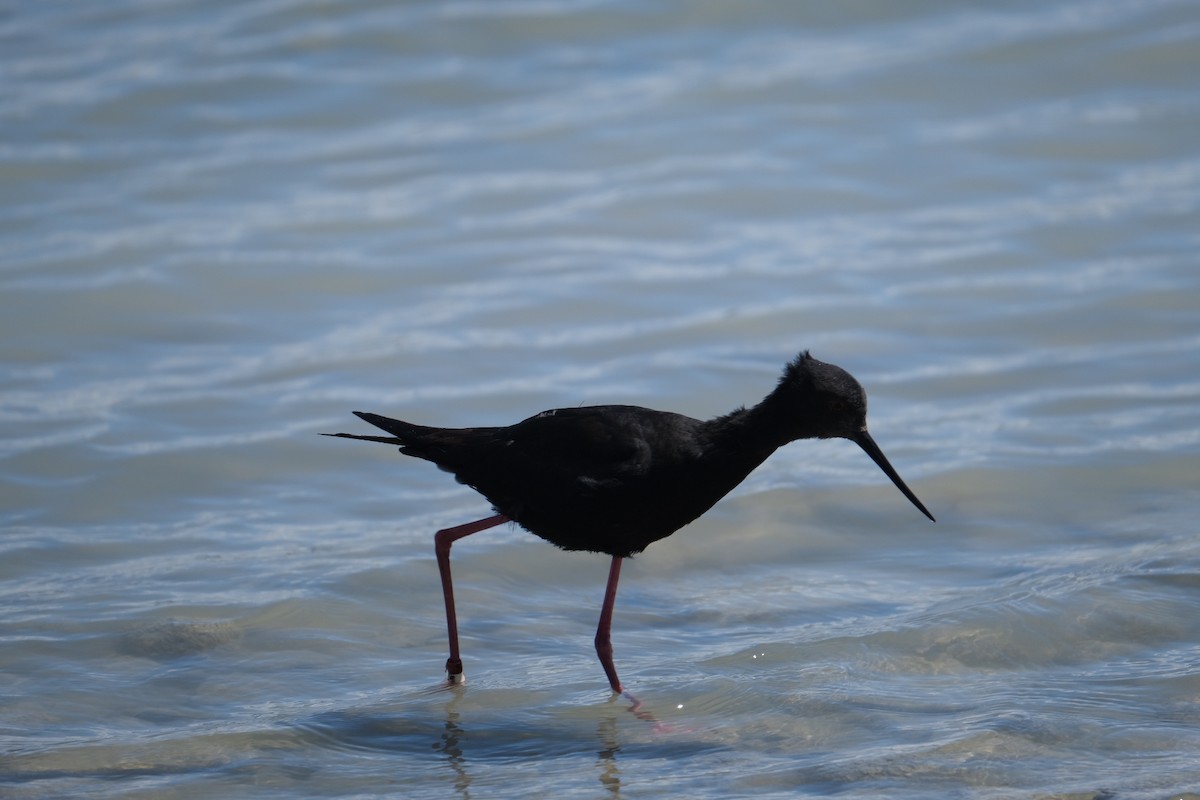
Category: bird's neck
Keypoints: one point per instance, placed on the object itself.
(753, 433)
(769, 425)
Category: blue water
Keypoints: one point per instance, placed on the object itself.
(224, 227)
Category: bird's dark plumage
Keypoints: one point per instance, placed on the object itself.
(614, 479)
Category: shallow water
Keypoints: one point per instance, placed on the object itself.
(224, 228)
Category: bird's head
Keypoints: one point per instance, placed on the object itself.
(823, 401)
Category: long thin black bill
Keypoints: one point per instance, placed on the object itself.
(865, 441)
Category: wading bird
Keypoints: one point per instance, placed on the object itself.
(614, 479)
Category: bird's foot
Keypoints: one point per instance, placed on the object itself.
(454, 672)
(641, 713)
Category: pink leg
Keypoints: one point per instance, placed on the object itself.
(604, 629)
(442, 541)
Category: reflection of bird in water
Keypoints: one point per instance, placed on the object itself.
(450, 745)
(606, 759)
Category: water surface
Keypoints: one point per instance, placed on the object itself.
(223, 228)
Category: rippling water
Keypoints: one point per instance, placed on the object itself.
(224, 227)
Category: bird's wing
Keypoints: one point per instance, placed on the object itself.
(591, 450)
(592, 443)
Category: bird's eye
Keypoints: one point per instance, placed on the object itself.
(837, 405)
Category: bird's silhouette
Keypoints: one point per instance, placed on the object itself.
(614, 479)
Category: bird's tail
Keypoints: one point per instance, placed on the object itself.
(402, 431)
(383, 439)
(446, 447)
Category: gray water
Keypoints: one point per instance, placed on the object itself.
(226, 226)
